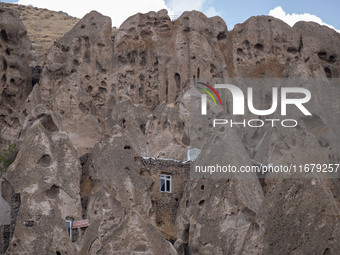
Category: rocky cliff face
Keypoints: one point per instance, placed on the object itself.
(104, 94)
(15, 73)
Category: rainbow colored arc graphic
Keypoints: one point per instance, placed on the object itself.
(209, 93)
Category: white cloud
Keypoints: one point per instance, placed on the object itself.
(291, 19)
(211, 11)
(119, 11)
(179, 6)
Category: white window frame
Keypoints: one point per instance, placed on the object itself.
(166, 178)
(67, 223)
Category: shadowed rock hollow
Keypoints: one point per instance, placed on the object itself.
(104, 94)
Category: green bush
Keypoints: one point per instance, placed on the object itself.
(7, 157)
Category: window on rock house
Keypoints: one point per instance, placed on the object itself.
(69, 228)
(165, 183)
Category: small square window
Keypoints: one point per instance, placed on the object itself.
(165, 183)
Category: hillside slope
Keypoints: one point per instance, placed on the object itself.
(44, 27)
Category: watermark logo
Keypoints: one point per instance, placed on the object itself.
(296, 96)
(259, 127)
(204, 97)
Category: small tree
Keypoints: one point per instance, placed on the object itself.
(7, 157)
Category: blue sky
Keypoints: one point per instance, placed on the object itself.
(232, 11)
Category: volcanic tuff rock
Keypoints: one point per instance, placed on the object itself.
(77, 79)
(217, 216)
(15, 73)
(94, 78)
(295, 209)
(118, 202)
(46, 174)
(105, 93)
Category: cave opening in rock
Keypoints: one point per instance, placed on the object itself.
(178, 81)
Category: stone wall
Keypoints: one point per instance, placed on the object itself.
(4, 238)
(165, 204)
(7, 228)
